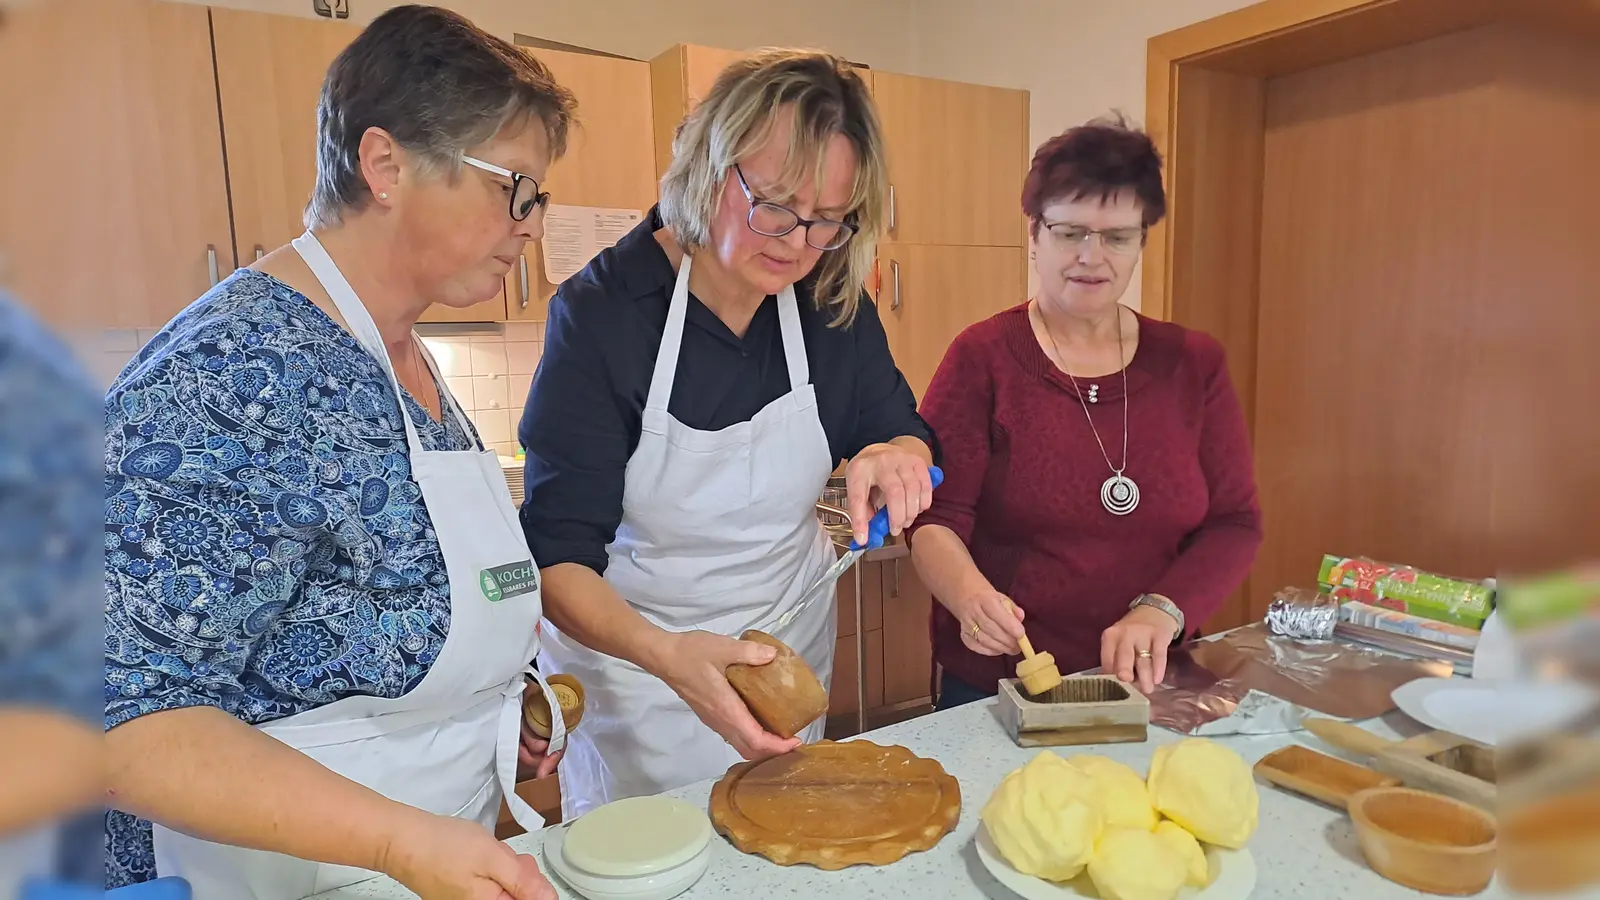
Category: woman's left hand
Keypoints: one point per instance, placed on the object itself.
(1136, 647)
(888, 476)
(534, 757)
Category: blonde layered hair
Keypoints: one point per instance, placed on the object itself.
(826, 97)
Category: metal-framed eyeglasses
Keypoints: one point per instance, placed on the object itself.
(1121, 241)
(775, 220)
(525, 193)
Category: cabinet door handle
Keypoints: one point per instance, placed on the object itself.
(893, 217)
(522, 268)
(894, 270)
(260, 252)
(211, 264)
(894, 594)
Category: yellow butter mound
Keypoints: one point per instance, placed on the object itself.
(1207, 788)
(1045, 818)
(1136, 864)
(1182, 844)
(1126, 799)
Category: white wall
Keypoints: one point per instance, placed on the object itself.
(1078, 58)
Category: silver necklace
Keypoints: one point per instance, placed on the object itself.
(1118, 494)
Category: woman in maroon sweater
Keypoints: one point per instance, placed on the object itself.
(1098, 474)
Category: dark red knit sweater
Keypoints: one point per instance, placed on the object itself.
(1023, 475)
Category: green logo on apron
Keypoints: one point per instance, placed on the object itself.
(510, 580)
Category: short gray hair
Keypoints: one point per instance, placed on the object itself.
(439, 85)
(826, 97)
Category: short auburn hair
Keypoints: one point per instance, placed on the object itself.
(1099, 159)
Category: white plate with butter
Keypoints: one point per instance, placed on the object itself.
(640, 848)
(1234, 876)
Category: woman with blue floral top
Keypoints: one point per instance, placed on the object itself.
(299, 519)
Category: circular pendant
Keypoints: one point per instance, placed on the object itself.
(1119, 495)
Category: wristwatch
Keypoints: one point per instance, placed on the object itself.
(1163, 604)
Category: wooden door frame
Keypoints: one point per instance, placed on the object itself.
(1205, 109)
(1235, 52)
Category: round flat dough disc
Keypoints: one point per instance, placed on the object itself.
(636, 836)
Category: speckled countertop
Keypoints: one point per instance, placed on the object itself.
(1302, 849)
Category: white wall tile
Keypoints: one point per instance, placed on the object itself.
(494, 426)
(517, 387)
(488, 359)
(522, 357)
(524, 331)
(489, 392)
(507, 448)
(452, 355)
(497, 336)
(145, 334)
(462, 388)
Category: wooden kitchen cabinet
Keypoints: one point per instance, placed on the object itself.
(115, 209)
(679, 78)
(270, 70)
(928, 294)
(957, 157)
(609, 161)
(907, 645)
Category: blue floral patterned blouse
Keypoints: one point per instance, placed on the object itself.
(267, 550)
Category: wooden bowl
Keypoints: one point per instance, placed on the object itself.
(784, 695)
(1427, 842)
(536, 709)
(1319, 776)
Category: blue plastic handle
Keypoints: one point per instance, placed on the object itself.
(878, 528)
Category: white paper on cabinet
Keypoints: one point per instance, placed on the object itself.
(574, 234)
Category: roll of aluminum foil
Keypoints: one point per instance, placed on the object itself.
(1303, 614)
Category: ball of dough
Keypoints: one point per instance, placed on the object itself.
(1183, 844)
(1207, 788)
(1136, 864)
(1045, 818)
(1126, 799)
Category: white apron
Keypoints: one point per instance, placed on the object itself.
(719, 533)
(449, 746)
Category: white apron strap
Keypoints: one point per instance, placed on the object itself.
(666, 370)
(365, 330)
(794, 341)
(510, 738)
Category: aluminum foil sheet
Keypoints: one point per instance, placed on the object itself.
(1251, 681)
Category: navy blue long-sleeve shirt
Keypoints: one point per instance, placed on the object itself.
(584, 411)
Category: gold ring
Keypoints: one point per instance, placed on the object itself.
(976, 630)
(1145, 654)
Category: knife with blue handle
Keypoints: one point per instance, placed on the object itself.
(877, 533)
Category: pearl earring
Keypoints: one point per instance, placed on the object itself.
(383, 196)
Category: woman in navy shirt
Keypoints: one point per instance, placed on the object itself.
(700, 382)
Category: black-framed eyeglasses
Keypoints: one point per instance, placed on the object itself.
(774, 220)
(525, 193)
(1121, 241)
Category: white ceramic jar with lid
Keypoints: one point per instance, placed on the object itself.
(639, 848)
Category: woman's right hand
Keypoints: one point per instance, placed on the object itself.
(443, 858)
(694, 665)
(990, 623)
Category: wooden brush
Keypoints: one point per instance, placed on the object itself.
(1037, 671)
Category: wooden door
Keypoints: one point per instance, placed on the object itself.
(609, 161)
(957, 157)
(928, 294)
(1374, 403)
(270, 70)
(115, 209)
